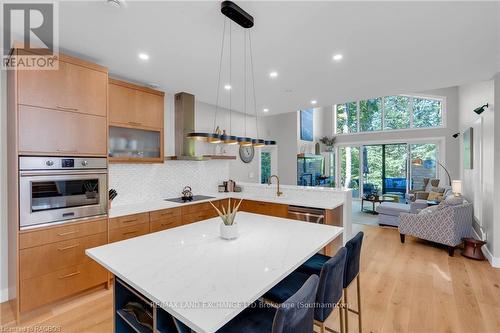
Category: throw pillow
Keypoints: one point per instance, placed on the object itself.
(429, 210)
(435, 196)
(438, 189)
(452, 200)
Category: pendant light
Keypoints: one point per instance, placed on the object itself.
(245, 141)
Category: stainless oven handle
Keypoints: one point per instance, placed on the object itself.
(62, 173)
(305, 214)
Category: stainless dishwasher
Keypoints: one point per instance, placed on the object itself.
(308, 214)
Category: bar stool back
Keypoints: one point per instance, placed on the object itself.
(351, 272)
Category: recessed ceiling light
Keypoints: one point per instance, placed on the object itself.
(314, 102)
(143, 56)
(273, 74)
(266, 110)
(337, 57)
(227, 87)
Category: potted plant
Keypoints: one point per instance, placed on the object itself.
(228, 227)
(328, 141)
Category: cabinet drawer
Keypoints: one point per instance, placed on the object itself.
(61, 132)
(129, 220)
(119, 234)
(72, 88)
(164, 214)
(198, 216)
(48, 258)
(166, 223)
(264, 208)
(50, 287)
(49, 235)
(201, 207)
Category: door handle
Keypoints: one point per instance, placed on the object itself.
(67, 233)
(68, 108)
(67, 247)
(69, 275)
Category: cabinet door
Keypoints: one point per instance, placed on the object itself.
(121, 104)
(148, 109)
(70, 88)
(43, 131)
(264, 208)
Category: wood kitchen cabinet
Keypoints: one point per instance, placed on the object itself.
(47, 131)
(136, 123)
(264, 208)
(76, 86)
(59, 112)
(136, 106)
(53, 263)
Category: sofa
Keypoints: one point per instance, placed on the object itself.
(447, 223)
(389, 212)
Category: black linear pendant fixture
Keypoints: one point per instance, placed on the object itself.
(245, 20)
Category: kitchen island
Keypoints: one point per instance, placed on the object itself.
(190, 273)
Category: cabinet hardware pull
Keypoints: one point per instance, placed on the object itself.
(165, 214)
(68, 247)
(129, 221)
(69, 275)
(130, 232)
(67, 151)
(134, 123)
(67, 233)
(66, 108)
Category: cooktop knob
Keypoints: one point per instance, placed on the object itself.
(49, 163)
(85, 163)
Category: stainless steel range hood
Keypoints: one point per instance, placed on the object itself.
(185, 149)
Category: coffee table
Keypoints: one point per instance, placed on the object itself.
(375, 200)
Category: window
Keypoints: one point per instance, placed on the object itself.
(265, 167)
(397, 112)
(306, 125)
(426, 112)
(389, 113)
(347, 117)
(370, 114)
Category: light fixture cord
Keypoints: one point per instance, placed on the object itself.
(220, 71)
(245, 77)
(253, 84)
(230, 78)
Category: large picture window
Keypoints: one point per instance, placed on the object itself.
(389, 113)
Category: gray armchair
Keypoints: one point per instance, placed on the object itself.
(445, 224)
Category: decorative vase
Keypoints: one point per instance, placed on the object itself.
(228, 231)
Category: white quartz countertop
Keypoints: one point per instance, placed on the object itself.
(205, 281)
(316, 201)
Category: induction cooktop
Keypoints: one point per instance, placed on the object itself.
(193, 198)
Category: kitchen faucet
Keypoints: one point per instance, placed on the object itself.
(269, 181)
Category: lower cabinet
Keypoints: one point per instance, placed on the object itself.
(53, 264)
(264, 208)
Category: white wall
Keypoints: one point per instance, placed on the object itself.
(472, 96)
(3, 189)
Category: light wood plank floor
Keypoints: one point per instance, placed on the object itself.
(412, 287)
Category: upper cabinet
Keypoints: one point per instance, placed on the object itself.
(135, 106)
(76, 86)
(61, 112)
(135, 123)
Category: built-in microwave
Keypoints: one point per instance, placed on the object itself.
(57, 189)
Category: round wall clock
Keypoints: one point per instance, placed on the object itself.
(247, 153)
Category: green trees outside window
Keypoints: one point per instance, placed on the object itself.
(389, 113)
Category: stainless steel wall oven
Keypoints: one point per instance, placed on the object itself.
(56, 189)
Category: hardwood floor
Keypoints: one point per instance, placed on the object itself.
(411, 287)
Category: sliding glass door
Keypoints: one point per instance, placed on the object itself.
(386, 168)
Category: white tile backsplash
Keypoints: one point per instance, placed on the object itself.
(145, 182)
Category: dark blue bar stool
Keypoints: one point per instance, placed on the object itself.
(351, 272)
(296, 314)
(329, 289)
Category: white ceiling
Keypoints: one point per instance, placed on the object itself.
(388, 47)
